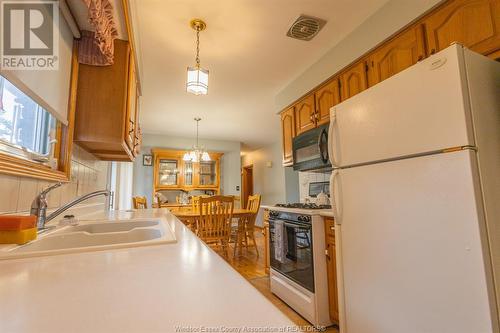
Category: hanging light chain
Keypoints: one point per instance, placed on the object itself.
(198, 47)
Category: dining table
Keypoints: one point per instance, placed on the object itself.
(188, 216)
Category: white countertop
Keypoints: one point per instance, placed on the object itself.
(321, 212)
(144, 289)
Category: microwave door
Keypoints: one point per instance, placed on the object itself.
(323, 146)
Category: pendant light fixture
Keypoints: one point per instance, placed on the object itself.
(198, 153)
(197, 77)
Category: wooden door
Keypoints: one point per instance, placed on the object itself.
(472, 23)
(353, 80)
(305, 115)
(288, 133)
(396, 55)
(333, 296)
(326, 97)
(247, 184)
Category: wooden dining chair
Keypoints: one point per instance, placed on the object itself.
(214, 223)
(247, 228)
(140, 202)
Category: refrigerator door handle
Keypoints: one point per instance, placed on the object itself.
(334, 194)
(333, 122)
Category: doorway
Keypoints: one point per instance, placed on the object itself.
(246, 184)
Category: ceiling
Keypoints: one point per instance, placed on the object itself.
(247, 52)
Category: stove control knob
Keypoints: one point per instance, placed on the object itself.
(306, 218)
(300, 218)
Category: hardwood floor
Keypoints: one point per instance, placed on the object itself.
(252, 267)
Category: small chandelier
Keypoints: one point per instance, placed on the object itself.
(198, 153)
(197, 77)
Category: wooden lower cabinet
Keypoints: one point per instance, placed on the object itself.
(472, 23)
(404, 50)
(333, 296)
(267, 253)
(354, 80)
(288, 133)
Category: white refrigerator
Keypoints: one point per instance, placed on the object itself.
(416, 199)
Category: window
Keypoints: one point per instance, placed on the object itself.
(26, 129)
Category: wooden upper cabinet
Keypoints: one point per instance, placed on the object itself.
(396, 55)
(472, 23)
(305, 115)
(353, 80)
(106, 107)
(326, 97)
(288, 132)
(131, 126)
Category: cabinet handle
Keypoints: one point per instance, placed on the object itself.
(332, 228)
(132, 127)
(311, 117)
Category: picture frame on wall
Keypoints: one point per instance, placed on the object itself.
(147, 160)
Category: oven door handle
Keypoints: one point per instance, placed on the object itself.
(297, 225)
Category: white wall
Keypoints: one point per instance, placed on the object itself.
(390, 18)
(270, 180)
(230, 162)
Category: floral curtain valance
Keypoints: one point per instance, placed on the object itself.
(97, 47)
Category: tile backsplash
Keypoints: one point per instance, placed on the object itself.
(87, 174)
(310, 177)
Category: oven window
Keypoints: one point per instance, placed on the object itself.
(293, 256)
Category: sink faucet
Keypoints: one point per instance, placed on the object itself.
(39, 205)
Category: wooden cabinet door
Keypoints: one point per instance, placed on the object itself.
(131, 112)
(472, 23)
(396, 55)
(326, 97)
(305, 115)
(353, 81)
(333, 297)
(288, 133)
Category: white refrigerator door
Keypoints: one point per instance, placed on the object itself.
(422, 109)
(411, 255)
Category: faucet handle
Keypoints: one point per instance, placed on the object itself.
(50, 188)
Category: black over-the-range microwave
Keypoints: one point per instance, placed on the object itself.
(310, 150)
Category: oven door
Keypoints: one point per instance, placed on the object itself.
(296, 261)
(310, 150)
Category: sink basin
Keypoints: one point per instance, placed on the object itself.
(95, 236)
(106, 227)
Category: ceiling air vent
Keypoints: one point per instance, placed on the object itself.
(305, 27)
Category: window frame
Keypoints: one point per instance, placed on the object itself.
(23, 167)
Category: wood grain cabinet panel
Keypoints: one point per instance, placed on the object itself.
(354, 80)
(333, 295)
(398, 54)
(106, 107)
(472, 23)
(326, 97)
(288, 133)
(305, 115)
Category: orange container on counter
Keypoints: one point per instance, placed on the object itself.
(17, 229)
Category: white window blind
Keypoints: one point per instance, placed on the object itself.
(49, 88)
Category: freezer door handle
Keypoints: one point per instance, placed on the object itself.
(334, 195)
(331, 147)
